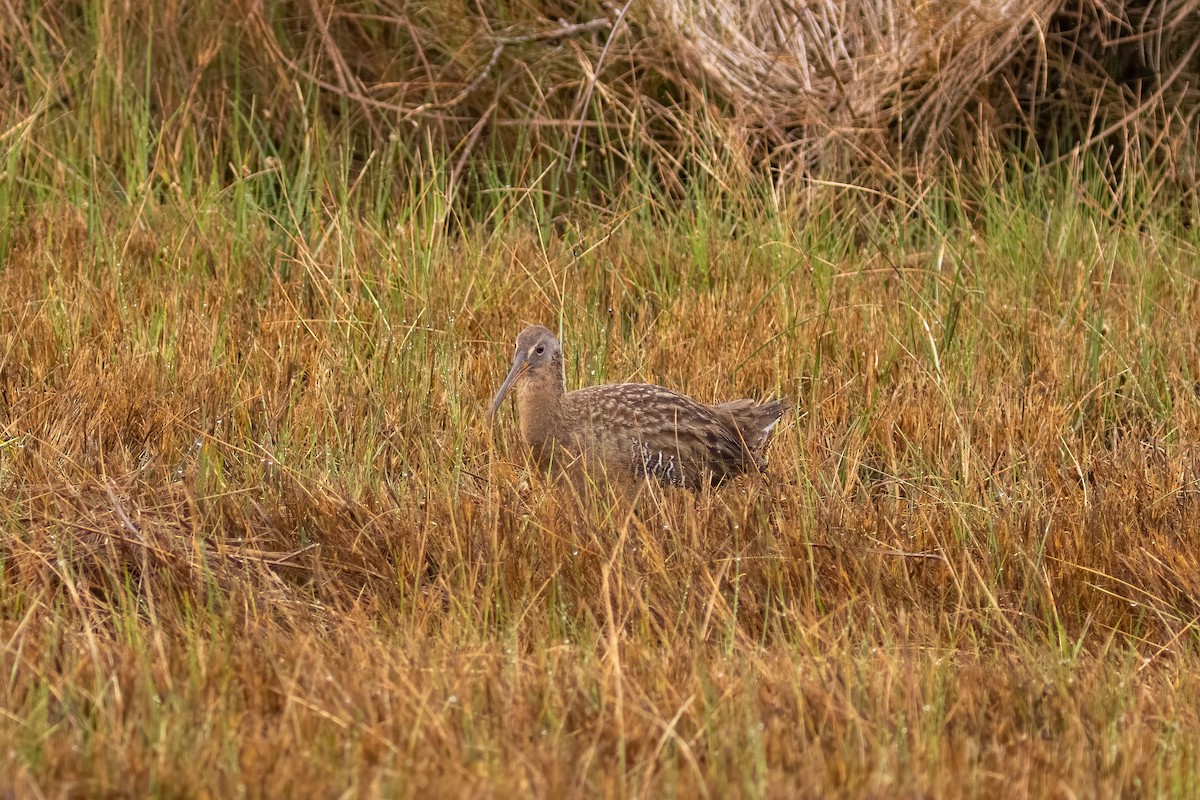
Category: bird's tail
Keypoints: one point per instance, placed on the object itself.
(754, 421)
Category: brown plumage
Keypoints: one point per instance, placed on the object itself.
(631, 430)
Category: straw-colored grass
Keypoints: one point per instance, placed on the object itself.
(258, 537)
(878, 93)
(261, 267)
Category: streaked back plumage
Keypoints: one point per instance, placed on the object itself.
(633, 430)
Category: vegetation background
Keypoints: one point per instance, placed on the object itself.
(261, 265)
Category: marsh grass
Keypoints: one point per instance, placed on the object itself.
(257, 537)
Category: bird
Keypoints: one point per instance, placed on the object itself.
(631, 432)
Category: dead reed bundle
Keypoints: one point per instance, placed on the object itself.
(859, 91)
(814, 73)
(823, 81)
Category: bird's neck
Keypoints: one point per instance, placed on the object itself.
(539, 403)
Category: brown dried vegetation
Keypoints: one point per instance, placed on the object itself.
(260, 270)
(870, 92)
(258, 537)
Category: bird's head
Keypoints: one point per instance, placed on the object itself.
(538, 355)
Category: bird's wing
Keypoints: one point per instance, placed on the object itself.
(670, 437)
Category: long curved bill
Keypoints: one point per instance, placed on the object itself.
(518, 369)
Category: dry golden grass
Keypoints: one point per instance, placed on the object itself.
(875, 93)
(261, 266)
(258, 539)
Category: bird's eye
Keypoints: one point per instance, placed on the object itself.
(541, 349)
